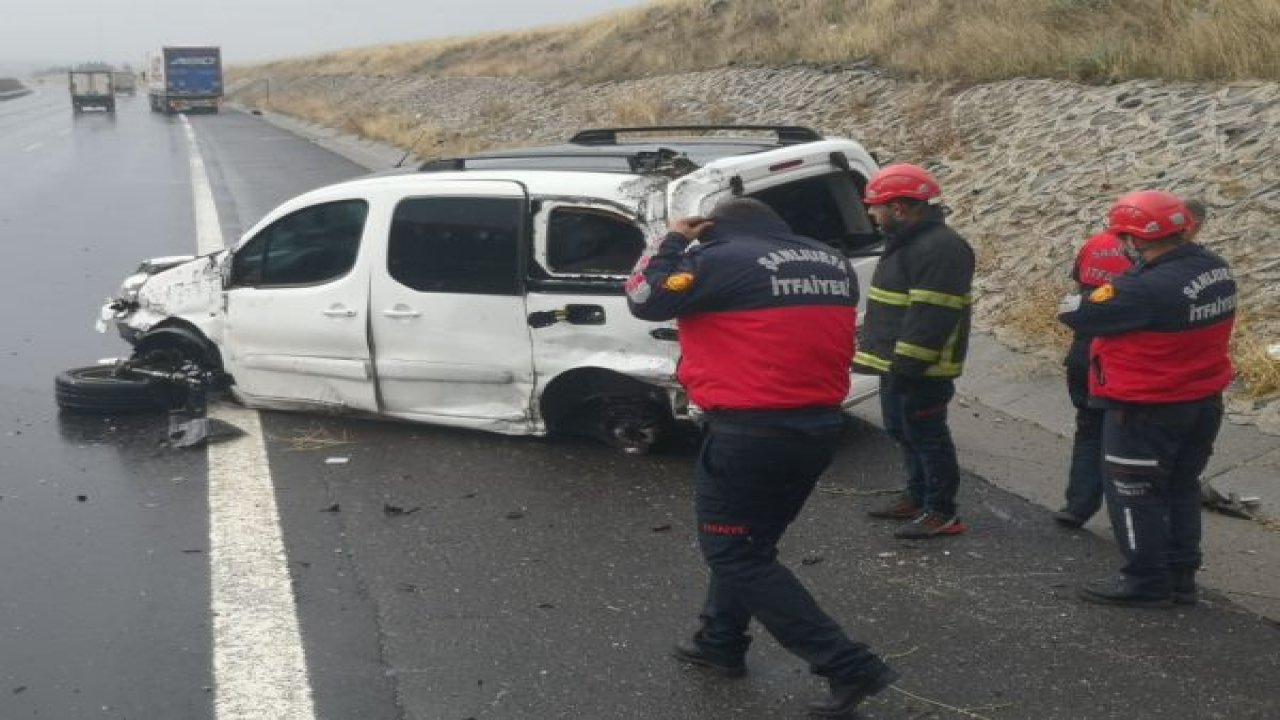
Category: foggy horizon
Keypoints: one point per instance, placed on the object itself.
(69, 32)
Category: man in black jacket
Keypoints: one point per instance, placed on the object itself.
(915, 338)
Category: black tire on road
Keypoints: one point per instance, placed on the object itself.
(97, 389)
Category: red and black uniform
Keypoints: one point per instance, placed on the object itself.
(1158, 365)
(767, 318)
(767, 321)
(1099, 261)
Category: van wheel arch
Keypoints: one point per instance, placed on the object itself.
(176, 341)
(621, 411)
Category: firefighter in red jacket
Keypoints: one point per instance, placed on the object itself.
(1158, 365)
(767, 325)
(1100, 259)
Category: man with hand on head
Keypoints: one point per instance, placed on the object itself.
(767, 322)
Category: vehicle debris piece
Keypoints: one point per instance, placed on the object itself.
(1231, 504)
(395, 510)
(337, 460)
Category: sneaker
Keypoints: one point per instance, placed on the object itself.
(1068, 519)
(846, 696)
(693, 654)
(1118, 591)
(930, 525)
(904, 508)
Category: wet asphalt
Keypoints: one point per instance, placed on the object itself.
(448, 575)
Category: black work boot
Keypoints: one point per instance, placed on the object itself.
(721, 663)
(845, 696)
(1184, 587)
(1068, 519)
(1119, 591)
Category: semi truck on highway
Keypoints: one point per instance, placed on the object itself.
(185, 79)
(92, 88)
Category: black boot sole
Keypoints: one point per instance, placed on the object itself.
(702, 661)
(841, 710)
(1155, 603)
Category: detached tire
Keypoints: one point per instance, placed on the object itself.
(97, 389)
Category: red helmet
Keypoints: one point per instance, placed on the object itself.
(1149, 215)
(902, 181)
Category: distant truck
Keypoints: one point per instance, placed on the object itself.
(92, 88)
(185, 79)
(125, 81)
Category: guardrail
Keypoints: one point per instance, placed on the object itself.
(11, 94)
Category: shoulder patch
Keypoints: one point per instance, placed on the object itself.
(1103, 293)
(678, 282)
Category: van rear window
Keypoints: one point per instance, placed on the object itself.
(827, 208)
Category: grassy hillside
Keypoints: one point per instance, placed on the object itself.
(953, 40)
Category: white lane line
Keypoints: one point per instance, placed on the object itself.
(208, 229)
(33, 146)
(259, 667)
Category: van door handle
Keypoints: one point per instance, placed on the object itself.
(401, 311)
(340, 311)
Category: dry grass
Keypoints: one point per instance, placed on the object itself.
(632, 111)
(1031, 312)
(1259, 372)
(955, 40)
(397, 129)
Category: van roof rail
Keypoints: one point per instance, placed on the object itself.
(786, 134)
(564, 158)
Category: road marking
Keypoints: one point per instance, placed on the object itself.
(259, 667)
(33, 146)
(208, 229)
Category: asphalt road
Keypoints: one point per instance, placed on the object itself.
(444, 575)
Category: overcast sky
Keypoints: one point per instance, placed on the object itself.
(117, 31)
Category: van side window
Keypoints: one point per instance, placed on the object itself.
(826, 208)
(308, 247)
(457, 245)
(585, 241)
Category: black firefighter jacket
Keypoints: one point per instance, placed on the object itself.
(918, 307)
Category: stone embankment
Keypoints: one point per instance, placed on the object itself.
(1029, 166)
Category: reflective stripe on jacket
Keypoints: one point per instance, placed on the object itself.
(918, 307)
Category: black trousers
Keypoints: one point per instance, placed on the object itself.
(1153, 457)
(751, 484)
(1084, 479)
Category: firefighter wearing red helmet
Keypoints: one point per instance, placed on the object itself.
(915, 337)
(1158, 365)
(1099, 260)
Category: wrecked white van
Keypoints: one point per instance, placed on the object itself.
(482, 292)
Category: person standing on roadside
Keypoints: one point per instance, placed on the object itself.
(1100, 259)
(916, 337)
(767, 324)
(1158, 366)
